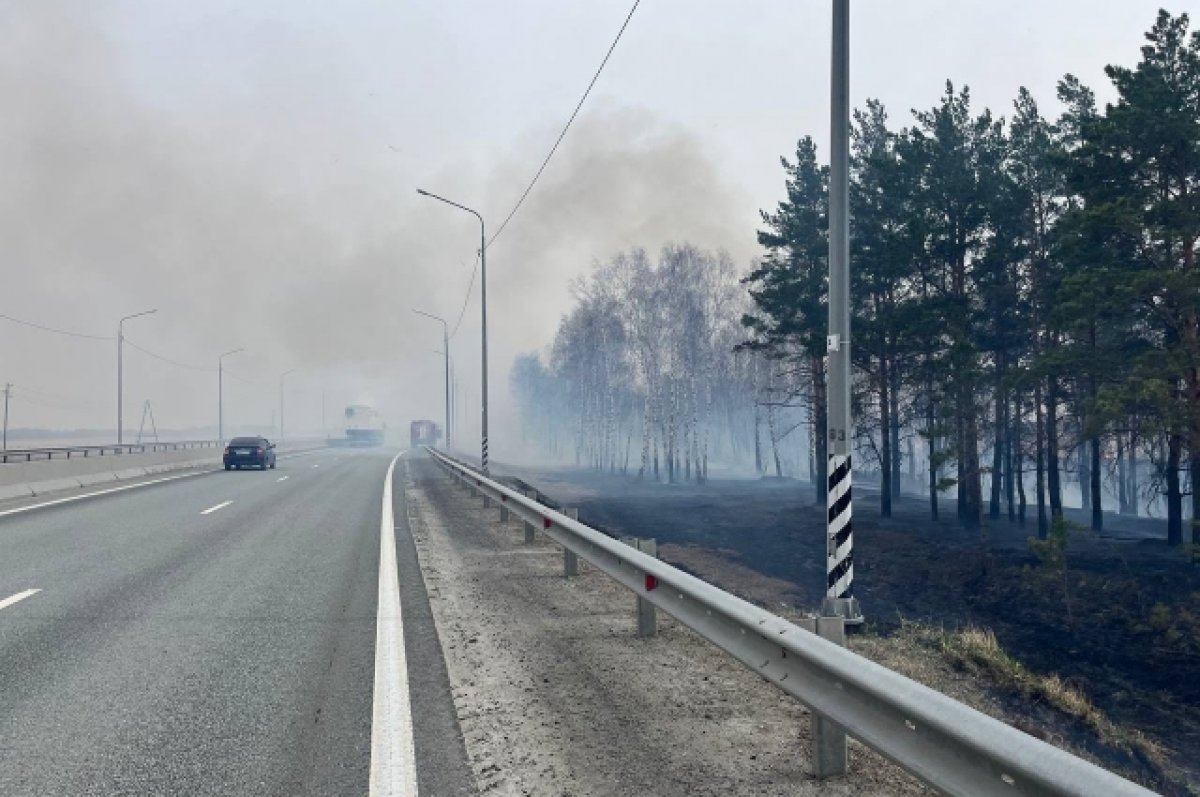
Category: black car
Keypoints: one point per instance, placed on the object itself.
(245, 452)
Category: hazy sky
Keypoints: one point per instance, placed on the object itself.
(249, 169)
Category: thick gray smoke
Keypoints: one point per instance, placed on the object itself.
(276, 222)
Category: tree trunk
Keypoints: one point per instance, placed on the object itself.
(894, 414)
(1122, 478)
(1194, 467)
(1040, 445)
(774, 440)
(758, 460)
(1133, 475)
(820, 428)
(1085, 477)
(973, 473)
(1053, 480)
(933, 457)
(1016, 471)
(885, 427)
(1097, 503)
(1174, 494)
(998, 435)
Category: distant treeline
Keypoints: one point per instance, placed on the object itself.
(1025, 291)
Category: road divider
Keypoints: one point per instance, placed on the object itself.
(31, 480)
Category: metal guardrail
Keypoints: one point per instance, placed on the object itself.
(946, 744)
(69, 452)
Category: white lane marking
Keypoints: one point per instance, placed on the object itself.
(20, 596)
(393, 761)
(212, 509)
(316, 466)
(282, 479)
(120, 489)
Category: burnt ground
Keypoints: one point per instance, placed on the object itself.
(1121, 620)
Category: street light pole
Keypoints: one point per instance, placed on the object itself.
(449, 393)
(281, 376)
(483, 317)
(7, 395)
(446, 352)
(839, 599)
(120, 372)
(221, 396)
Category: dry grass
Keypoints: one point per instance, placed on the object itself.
(977, 651)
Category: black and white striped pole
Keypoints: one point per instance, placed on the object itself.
(839, 596)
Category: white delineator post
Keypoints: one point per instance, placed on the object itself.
(839, 600)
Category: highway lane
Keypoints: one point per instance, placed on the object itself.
(210, 635)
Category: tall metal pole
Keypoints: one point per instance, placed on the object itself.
(446, 353)
(483, 310)
(7, 395)
(120, 385)
(120, 372)
(281, 376)
(221, 396)
(839, 599)
(483, 316)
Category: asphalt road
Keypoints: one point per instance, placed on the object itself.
(213, 634)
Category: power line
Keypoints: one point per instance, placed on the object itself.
(466, 298)
(38, 398)
(176, 363)
(44, 328)
(567, 126)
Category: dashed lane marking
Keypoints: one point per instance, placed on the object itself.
(20, 596)
(212, 509)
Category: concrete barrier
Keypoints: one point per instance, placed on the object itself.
(10, 491)
(28, 479)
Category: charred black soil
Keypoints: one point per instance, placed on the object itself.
(1119, 619)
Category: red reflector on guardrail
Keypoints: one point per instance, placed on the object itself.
(651, 582)
(546, 523)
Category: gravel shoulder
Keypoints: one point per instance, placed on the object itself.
(556, 694)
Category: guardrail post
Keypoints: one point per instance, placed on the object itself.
(570, 560)
(530, 532)
(829, 740)
(503, 510)
(646, 617)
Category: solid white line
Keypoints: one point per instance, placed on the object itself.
(281, 479)
(122, 488)
(212, 509)
(20, 596)
(393, 761)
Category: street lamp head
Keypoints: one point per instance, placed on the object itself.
(138, 315)
(422, 192)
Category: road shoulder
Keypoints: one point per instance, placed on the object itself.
(441, 756)
(557, 695)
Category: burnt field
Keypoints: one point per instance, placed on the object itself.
(1118, 617)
